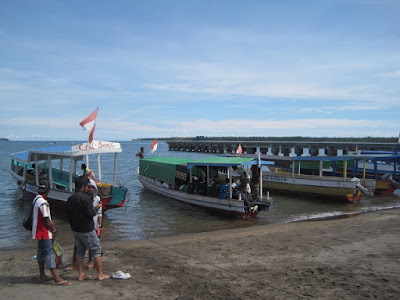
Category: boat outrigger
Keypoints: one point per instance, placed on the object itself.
(59, 165)
(190, 181)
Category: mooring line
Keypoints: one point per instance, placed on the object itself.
(222, 269)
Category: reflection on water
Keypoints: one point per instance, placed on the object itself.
(148, 214)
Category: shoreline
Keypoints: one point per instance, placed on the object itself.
(341, 258)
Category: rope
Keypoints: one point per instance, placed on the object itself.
(220, 268)
(223, 269)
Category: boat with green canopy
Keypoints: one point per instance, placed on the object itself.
(195, 182)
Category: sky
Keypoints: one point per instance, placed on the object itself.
(161, 68)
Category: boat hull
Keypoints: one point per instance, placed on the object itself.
(233, 207)
(313, 185)
(28, 192)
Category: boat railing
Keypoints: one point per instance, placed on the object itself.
(305, 176)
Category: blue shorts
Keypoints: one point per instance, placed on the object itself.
(87, 240)
(45, 253)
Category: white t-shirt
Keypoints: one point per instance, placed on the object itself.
(41, 210)
(96, 200)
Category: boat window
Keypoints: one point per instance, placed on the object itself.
(17, 167)
(13, 165)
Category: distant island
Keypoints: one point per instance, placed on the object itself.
(4, 139)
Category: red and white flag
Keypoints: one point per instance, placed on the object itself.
(89, 124)
(239, 150)
(153, 147)
(356, 149)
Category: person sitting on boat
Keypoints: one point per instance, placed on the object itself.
(244, 184)
(239, 194)
(165, 185)
(234, 184)
(224, 190)
(87, 172)
(215, 187)
(201, 187)
(255, 181)
(30, 174)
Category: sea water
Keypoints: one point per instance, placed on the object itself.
(146, 214)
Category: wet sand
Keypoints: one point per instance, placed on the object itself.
(348, 258)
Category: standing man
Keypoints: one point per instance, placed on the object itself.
(80, 215)
(255, 180)
(140, 154)
(86, 171)
(44, 230)
(97, 219)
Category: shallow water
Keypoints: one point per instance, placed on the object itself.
(147, 214)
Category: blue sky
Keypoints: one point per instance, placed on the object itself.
(187, 68)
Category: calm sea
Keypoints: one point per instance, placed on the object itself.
(147, 214)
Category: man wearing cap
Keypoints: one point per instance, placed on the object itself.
(80, 215)
(44, 230)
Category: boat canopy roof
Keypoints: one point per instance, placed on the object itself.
(345, 158)
(226, 162)
(166, 160)
(74, 151)
(388, 158)
(162, 168)
(165, 168)
(21, 156)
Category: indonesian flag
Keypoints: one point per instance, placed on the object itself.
(89, 124)
(239, 150)
(153, 147)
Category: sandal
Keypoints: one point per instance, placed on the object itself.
(120, 275)
(70, 268)
(64, 282)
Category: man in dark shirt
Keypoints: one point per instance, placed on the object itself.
(140, 154)
(80, 215)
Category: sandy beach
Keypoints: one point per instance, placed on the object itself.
(356, 257)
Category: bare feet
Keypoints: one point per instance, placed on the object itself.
(102, 276)
(84, 277)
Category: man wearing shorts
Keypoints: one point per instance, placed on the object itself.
(44, 231)
(80, 215)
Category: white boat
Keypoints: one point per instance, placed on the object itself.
(59, 165)
(327, 186)
(155, 172)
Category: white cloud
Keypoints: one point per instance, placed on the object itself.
(392, 75)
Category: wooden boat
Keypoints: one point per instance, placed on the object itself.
(327, 186)
(182, 176)
(383, 166)
(59, 165)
